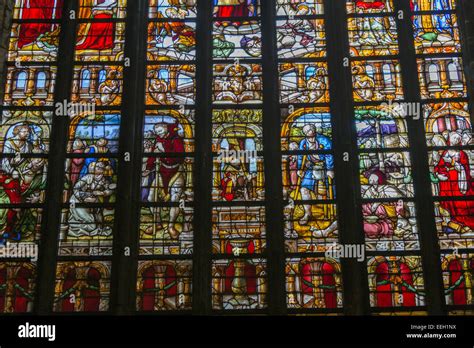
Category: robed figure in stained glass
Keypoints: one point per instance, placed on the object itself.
(98, 35)
(95, 187)
(454, 175)
(21, 178)
(370, 4)
(235, 8)
(38, 10)
(165, 175)
(316, 170)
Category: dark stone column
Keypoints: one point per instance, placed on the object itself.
(6, 15)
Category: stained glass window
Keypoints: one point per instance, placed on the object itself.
(457, 276)
(91, 166)
(30, 82)
(238, 166)
(82, 286)
(164, 285)
(310, 213)
(313, 283)
(448, 132)
(385, 163)
(395, 281)
(167, 189)
(17, 287)
(142, 143)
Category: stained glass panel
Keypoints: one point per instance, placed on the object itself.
(17, 286)
(237, 83)
(31, 86)
(164, 285)
(433, 5)
(455, 223)
(177, 9)
(236, 9)
(166, 230)
(25, 128)
(18, 225)
(376, 80)
(381, 128)
(242, 42)
(458, 270)
(441, 78)
(239, 284)
(301, 123)
(396, 282)
(313, 283)
(104, 10)
(451, 170)
(238, 230)
(310, 228)
(24, 171)
(370, 36)
(166, 223)
(369, 6)
(299, 8)
(238, 180)
(443, 120)
(304, 83)
(25, 132)
(170, 85)
(97, 85)
(171, 41)
(82, 286)
(37, 10)
(100, 41)
(436, 33)
(92, 133)
(448, 132)
(390, 226)
(301, 38)
(386, 175)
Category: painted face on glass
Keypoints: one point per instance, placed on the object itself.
(160, 130)
(23, 132)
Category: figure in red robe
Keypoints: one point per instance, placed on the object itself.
(227, 185)
(234, 8)
(367, 4)
(167, 142)
(377, 5)
(99, 35)
(38, 10)
(453, 170)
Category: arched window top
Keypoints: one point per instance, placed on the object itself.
(41, 80)
(453, 72)
(102, 75)
(387, 73)
(85, 79)
(21, 79)
(433, 71)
